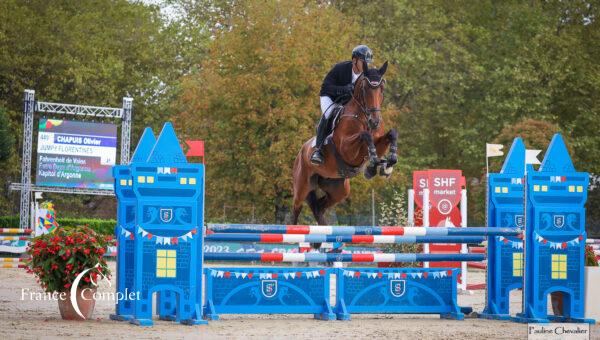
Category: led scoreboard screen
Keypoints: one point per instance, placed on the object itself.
(76, 154)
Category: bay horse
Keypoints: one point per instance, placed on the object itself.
(358, 143)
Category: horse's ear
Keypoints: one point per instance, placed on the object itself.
(383, 68)
(365, 67)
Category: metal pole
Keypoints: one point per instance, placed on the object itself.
(411, 208)
(126, 129)
(28, 110)
(373, 207)
(463, 248)
(426, 221)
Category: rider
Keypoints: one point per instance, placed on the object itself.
(337, 88)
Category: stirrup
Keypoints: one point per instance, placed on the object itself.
(317, 157)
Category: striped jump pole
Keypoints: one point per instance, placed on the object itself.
(315, 238)
(14, 238)
(479, 250)
(15, 231)
(328, 257)
(11, 259)
(12, 265)
(360, 230)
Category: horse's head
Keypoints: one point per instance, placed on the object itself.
(368, 93)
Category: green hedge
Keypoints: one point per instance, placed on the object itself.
(105, 227)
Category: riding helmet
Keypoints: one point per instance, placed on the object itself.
(363, 52)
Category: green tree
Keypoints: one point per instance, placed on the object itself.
(95, 53)
(255, 100)
(467, 70)
(7, 140)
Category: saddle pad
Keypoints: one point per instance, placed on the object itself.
(336, 119)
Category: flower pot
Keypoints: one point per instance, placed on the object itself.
(592, 291)
(85, 302)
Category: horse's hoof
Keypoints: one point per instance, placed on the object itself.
(386, 171)
(370, 172)
(392, 160)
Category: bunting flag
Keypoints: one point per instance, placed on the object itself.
(438, 274)
(165, 240)
(558, 245)
(513, 244)
(516, 181)
(307, 274)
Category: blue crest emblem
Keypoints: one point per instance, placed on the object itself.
(397, 287)
(269, 288)
(519, 220)
(559, 221)
(166, 215)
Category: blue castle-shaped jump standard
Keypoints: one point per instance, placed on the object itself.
(505, 253)
(555, 237)
(160, 217)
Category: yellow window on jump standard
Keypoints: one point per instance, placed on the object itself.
(166, 263)
(559, 266)
(518, 264)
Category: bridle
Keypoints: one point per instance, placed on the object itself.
(368, 111)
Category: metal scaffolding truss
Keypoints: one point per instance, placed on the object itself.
(78, 191)
(30, 106)
(80, 110)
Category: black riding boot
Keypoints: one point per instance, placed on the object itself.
(322, 130)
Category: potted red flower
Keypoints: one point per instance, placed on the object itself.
(68, 264)
(592, 290)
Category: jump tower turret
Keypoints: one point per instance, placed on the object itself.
(159, 233)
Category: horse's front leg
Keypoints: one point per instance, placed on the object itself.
(371, 169)
(388, 141)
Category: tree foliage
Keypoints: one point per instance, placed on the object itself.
(94, 53)
(255, 100)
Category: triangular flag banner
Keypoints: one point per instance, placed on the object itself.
(493, 150)
(531, 157)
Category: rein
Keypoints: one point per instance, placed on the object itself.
(367, 111)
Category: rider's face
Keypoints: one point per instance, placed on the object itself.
(357, 65)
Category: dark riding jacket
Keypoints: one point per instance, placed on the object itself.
(334, 84)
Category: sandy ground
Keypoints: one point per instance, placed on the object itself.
(26, 319)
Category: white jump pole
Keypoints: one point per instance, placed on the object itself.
(411, 208)
(426, 221)
(464, 249)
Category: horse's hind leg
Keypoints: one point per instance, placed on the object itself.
(302, 187)
(316, 206)
(336, 191)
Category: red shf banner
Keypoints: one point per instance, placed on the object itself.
(196, 148)
(444, 198)
(419, 183)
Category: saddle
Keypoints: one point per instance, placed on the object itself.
(337, 112)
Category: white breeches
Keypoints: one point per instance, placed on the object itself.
(326, 106)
